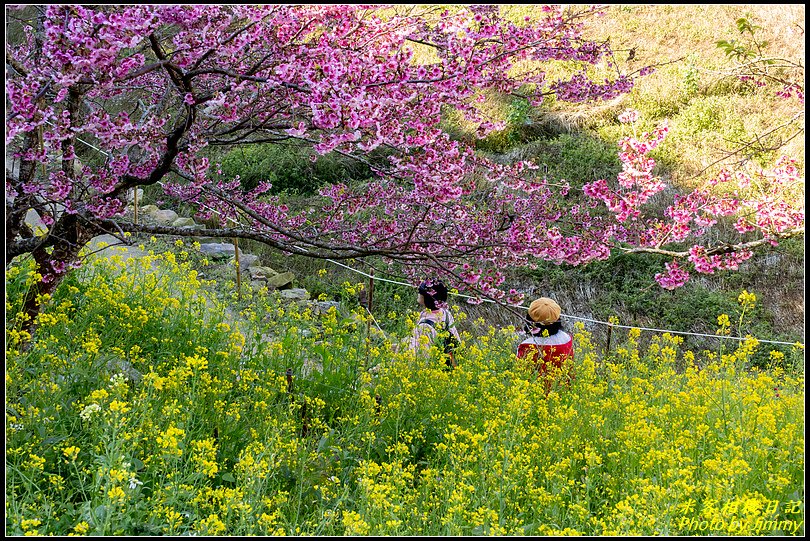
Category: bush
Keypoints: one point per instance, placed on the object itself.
(293, 170)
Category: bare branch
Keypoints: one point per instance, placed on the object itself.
(720, 249)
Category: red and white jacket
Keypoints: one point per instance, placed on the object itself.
(546, 350)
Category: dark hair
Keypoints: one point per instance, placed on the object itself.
(433, 291)
(536, 329)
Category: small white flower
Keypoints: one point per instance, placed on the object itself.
(88, 411)
(134, 483)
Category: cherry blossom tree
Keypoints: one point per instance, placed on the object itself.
(155, 90)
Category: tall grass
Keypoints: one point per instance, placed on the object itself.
(144, 405)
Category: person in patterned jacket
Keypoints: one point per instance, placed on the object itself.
(436, 323)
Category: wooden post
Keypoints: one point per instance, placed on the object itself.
(289, 382)
(238, 269)
(135, 204)
(304, 420)
(370, 291)
(607, 348)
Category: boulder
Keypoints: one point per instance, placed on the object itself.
(247, 260)
(131, 195)
(146, 210)
(164, 217)
(184, 222)
(219, 250)
(257, 284)
(113, 247)
(121, 366)
(294, 294)
(281, 280)
(33, 220)
(261, 273)
(323, 306)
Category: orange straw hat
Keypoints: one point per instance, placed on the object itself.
(544, 311)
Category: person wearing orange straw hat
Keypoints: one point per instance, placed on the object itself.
(548, 346)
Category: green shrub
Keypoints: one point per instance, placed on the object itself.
(583, 158)
(291, 169)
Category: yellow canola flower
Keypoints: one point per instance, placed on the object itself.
(746, 299)
(29, 524)
(724, 323)
(71, 452)
(169, 441)
(354, 523)
(117, 406)
(117, 494)
(196, 363)
(35, 462)
(212, 525)
(205, 456)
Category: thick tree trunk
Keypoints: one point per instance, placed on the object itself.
(54, 266)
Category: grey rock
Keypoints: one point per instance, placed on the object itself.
(323, 306)
(279, 281)
(257, 284)
(164, 217)
(219, 250)
(184, 222)
(124, 367)
(261, 273)
(146, 210)
(247, 260)
(294, 294)
(33, 221)
(114, 247)
(131, 195)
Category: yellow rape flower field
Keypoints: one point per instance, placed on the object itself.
(142, 404)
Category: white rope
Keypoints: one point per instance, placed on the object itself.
(681, 332)
(79, 139)
(375, 321)
(607, 323)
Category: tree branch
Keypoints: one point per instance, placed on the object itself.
(720, 249)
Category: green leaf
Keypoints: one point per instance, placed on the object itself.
(53, 439)
(99, 514)
(324, 441)
(228, 477)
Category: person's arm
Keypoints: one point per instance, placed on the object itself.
(452, 325)
(420, 331)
